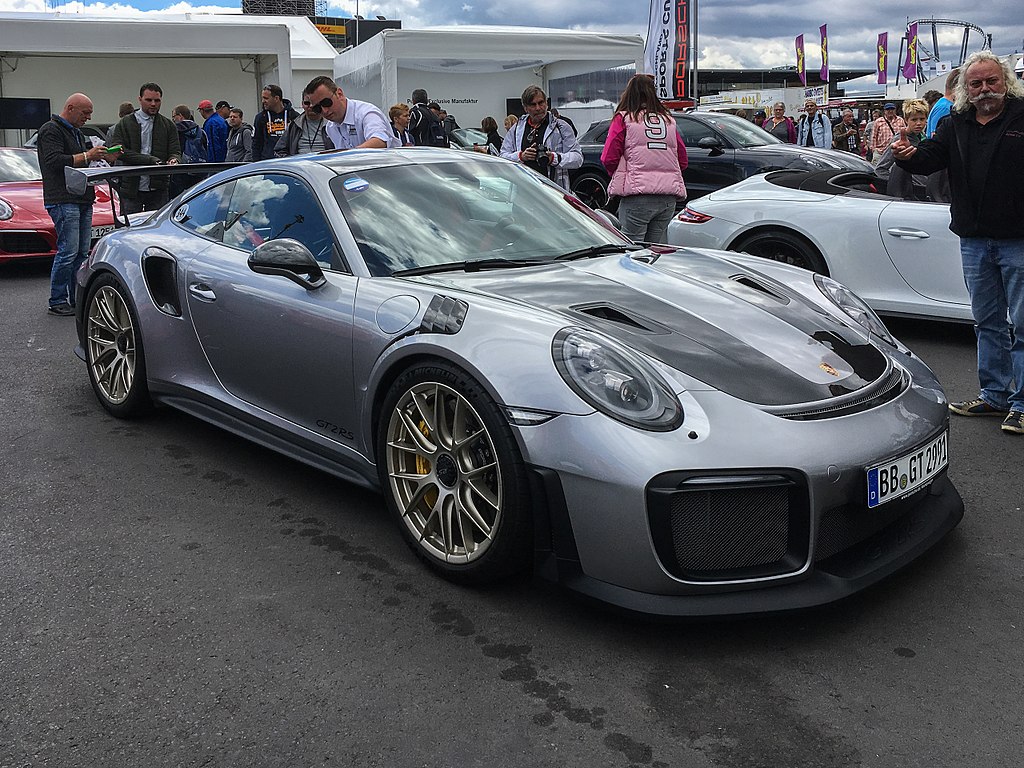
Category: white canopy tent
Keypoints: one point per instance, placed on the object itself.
(471, 71)
(191, 56)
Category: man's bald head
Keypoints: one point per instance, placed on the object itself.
(77, 109)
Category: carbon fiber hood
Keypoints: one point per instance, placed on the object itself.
(732, 328)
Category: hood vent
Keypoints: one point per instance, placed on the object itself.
(750, 282)
(887, 388)
(612, 314)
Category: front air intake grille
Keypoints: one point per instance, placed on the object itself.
(24, 242)
(846, 526)
(725, 527)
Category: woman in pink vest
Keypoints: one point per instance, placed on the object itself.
(646, 157)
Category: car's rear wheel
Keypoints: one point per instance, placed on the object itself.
(113, 349)
(592, 189)
(782, 246)
(453, 476)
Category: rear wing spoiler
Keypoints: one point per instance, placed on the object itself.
(78, 180)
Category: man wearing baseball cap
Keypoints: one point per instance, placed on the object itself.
(886, 131)
(216, 128)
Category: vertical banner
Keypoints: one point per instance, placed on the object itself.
(824, 52)
(910, 63)
(801, 64)
(667, 53)
(883, 57)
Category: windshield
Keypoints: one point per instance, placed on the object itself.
(407, 217)
(740, 132)
(19, 165)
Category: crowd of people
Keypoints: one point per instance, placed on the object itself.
(868, 137)
(329, 121)
(965, 146)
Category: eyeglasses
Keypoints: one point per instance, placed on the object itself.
(307, 103)
(321, 105)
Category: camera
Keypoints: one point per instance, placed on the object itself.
(542, 151)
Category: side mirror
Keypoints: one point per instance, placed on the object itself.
(713, 143)
(288, 258)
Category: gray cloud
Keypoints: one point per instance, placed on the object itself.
(747, 34)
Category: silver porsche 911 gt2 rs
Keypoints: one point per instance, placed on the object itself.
(674, 432)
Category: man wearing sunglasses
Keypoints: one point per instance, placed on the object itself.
(306, 134)
(351, 124)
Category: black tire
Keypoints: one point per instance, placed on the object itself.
(453, 476)
(786, 247)
(114, 355)
(592, 188)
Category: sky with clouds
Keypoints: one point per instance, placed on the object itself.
(732, 33)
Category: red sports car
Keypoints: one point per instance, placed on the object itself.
(26, 229)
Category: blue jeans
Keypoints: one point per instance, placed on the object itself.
(994, 272)
(73, 222)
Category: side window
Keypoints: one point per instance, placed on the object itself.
(204, 213)
(267, 206)
(693, 131)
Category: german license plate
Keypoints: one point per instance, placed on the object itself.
(98, 232)
(901, 476)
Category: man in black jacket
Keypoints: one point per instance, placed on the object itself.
(426, 129)
(981, 143)
(60, 145)
(148, 138)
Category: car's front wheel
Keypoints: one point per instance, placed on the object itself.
(453, 475)
(592, 189)
(113, 349)
(782, 246)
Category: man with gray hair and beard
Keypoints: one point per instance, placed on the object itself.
(981, 144)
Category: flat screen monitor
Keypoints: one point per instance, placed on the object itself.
(28, 114)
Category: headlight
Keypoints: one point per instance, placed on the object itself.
(6, 211)
(615, 381)
(854, 306)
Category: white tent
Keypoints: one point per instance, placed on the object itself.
(191, 56)
(472, 71)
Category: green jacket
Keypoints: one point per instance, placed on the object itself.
(128, 133)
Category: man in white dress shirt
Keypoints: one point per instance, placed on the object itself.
(351, 124)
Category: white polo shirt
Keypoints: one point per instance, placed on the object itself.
(362, 121)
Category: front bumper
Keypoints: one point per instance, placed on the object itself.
(921, 524)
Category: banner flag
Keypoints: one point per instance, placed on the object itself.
(910, 63)
(801, 68)
(667, 53)
(883, 57)
(824, 52)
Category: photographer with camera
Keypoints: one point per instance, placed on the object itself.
(541, 141)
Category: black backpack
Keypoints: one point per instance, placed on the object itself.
(425, 128)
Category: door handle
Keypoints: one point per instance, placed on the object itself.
(202, 291)
(909, 234)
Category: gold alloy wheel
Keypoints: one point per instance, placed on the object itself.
(443, 473)
(111, 344)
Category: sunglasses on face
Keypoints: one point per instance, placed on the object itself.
(320, 106)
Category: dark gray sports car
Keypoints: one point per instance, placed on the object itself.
(675, 432)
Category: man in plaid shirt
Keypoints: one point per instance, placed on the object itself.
(886, 131)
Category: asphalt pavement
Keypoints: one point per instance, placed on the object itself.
(171, 595)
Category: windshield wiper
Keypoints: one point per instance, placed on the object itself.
(471, 265)
(598, 250)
